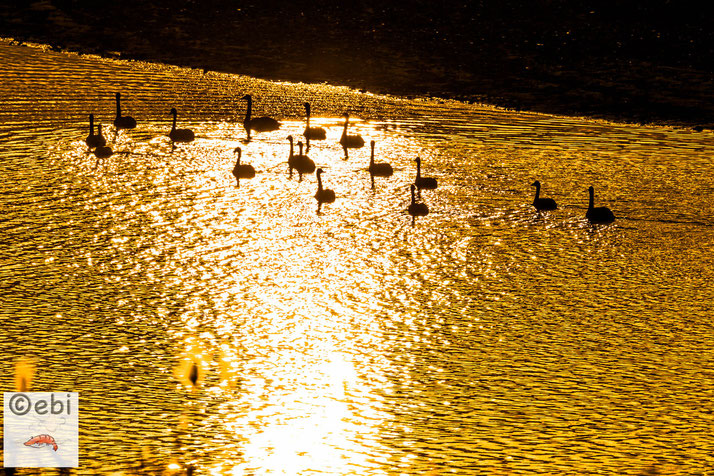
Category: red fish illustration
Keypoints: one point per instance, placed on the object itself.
(41, 440)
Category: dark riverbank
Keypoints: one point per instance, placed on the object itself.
(647, 64)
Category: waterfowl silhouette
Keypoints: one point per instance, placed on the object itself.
(93, 140)
(348, 141)
(102, 151)
(428, 183)
(314, 133)
(193, 374)
(179, 135)
(302, 163)
(242, 171)
(417, 209)
(541, 204)
(258, 124)
(123, 122)
(380, 169)
(598, 214)
(323, 195)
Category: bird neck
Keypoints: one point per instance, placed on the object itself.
(249, 110)
(173, 126)
(300, 148)
(91, 124)
(291, 148)
(118, 106)
(413, 199)
(307, 112)
(591, 204)
(344, 130)
(319, 183)
(371, 157)
(418, 162)
(537, 191)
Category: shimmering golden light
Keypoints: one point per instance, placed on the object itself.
(24, 373)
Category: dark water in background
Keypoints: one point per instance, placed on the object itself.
(644, 62)
(483, 339)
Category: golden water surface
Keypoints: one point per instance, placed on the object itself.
(479, 339)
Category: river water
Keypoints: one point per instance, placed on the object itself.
(482, 338)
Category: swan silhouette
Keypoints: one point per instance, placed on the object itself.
(598, 214)
(428, 183)
(179, 135)
(323, 195)
(542, 203)
(417, 209)
(123, 122)
(94, 140)
(314, 133)
(348, 141)
(258, 124)
(379, 169)
(242, 171)
(102, 151)
(302, 163)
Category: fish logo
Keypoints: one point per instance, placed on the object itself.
(41, 441)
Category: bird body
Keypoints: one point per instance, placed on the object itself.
(428, 183)
(258, 124)
(417, 209)
(348, 141)
(103, 152)
(179, 135)
(380, 169)
(94, 140)
(598, 214)
(542, 204)
(314, 133)
(242, 171)
(123, 122)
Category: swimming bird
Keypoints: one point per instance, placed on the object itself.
(93, 140)
(417, 209)
(348, 141)
(542, 203)
(179, 135)
(258, 124)
(193, 374)
(428, 183)
(242, 171)
(380, 169)
(102, 151)
(314, 133)
(323, 195)
(598, 214)
(302, 163)
(123, 122)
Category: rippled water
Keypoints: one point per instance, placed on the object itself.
(483, 338)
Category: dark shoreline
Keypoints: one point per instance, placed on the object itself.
(496, 53)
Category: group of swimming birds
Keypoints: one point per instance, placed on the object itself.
(302, 164)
